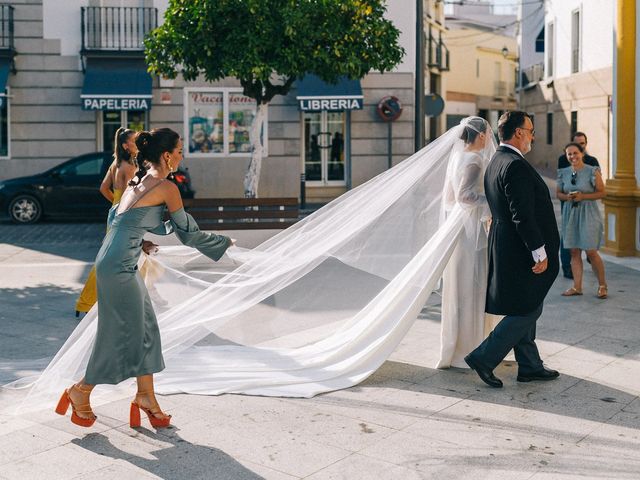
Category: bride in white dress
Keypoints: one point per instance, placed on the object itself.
(318, 307)
(464, 324)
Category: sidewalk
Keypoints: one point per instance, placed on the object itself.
(408, 421)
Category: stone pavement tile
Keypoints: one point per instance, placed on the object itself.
(573, 367)
(570, 476)
(13, 446)
(400, 371)
(64, 462)
(371, 412)
(166, 455)
(590, 389)
(291, 453)
(622, 374)
(448, 456)
(264, 472)
(119, 469)
(360, 467)
(547, 420)
(633, 407)
(11, 423)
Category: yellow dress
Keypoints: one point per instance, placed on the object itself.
(89, 294)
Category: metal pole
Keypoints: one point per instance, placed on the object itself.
(347, 150)
(389, 152)
(419, 86)
(303, 193)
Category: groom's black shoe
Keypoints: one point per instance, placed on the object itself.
(485, 375)
(541, 375)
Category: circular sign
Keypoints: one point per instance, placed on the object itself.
(389, 108)
(433, 105)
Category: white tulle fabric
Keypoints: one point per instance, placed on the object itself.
(318, 307)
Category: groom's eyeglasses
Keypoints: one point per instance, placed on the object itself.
(530, 130)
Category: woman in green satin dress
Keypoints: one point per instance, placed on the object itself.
(128, 340)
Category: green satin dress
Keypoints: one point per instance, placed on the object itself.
(128, 339)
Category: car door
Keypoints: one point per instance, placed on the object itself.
(78, 192)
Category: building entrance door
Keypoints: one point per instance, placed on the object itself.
(323, 148)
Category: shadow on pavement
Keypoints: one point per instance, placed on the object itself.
(178, 461)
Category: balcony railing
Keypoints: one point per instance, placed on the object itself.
(116, 28)
(6, 27)
(532, 74)
(437, 53)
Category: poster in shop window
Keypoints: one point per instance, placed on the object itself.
(207, 130)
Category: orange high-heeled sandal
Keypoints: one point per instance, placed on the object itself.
(156, 422)
(63, 406)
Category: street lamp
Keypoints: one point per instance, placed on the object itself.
(505, 52)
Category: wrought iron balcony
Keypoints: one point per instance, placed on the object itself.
(437, 53)
(532, 74)
(6, 30)
(500, 89)
(121, 29)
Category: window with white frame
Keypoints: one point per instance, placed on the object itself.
(575, 41)
(550, 49)
(217, 122)
(4, 125)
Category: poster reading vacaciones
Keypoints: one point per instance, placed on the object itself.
(218, 122)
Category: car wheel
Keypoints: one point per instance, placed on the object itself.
(25, 209)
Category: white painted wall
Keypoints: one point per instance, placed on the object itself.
(403, 15)
(61, 20)
(531, 16)
(597, 41)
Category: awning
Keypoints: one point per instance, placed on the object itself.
(116, 84)
(5, 66)
(315, 95)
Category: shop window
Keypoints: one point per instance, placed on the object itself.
(110, 121)
(218, 122)
(4, 125)
(324, 153)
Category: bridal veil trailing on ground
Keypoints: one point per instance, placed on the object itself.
(318, 307)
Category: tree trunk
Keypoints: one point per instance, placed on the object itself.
(252, 177)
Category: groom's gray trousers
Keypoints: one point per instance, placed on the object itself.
(513, 331)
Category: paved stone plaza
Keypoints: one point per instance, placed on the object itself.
(408, 421)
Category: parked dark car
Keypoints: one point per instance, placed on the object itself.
(70, 191)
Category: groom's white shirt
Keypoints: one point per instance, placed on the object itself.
(540, 254)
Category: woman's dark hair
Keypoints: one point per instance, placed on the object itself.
(119, 152)
(574, 144)
(472, 129)
(151, 145)
(509, 122)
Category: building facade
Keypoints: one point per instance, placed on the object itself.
(75, 72)
(482, 78)
(566, 57)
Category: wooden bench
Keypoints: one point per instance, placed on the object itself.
(243, 213)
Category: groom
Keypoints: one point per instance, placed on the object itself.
(523, 254)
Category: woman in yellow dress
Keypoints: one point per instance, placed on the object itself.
(118, 176)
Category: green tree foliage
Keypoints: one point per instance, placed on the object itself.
(268, 44)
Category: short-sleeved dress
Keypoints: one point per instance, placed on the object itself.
(582, 223)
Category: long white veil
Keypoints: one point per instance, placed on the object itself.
(318, 307)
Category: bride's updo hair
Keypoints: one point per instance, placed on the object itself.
(473, 127)
(151, 145)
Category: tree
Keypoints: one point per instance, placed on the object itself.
(268, 44)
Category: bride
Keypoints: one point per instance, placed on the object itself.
(463, 325)
(319, 306)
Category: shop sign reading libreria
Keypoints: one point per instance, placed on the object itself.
(115, 103)
(316, 104)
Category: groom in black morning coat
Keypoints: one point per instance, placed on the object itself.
(523, 254)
